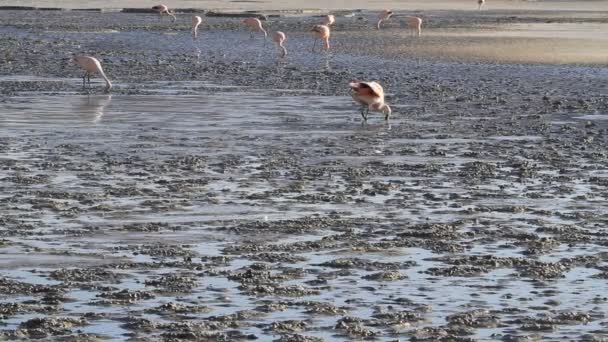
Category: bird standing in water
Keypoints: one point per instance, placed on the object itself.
(91, 65)
(321, 32)
(415, 25)
(384, 15)
(370, 96)
(163, 9)
(480, 3)
(255, 25)
(280, 38)
(196, 21)
(329, 20)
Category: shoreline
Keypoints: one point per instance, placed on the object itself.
(319, 5)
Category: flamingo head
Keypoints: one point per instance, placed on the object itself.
(381, 107)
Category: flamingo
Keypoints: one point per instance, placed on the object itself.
(255, 25)
(384, 15)
(370, 96)
(329, 20)
(480, 3)
(196, 21)
(279, 38)
(321, 32)
(91, 65)
(163, 9)
(415, 25)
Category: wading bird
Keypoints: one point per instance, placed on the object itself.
(329, 20)
(280, 38)
(414, 24)
(255, 25)
(370, 96)
(384, 15)
(196, 21)
(480, 3)
(91, 65)
(321, 32)
(163, 9)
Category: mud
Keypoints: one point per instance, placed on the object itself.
(218, 194)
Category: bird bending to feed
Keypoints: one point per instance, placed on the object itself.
(280, 38)
(370, 96)
(321, 32)
(91, 65)
(329, 20)
(196, 21)
(163, 9)
(415, 25)
(480, 3)
(384, 15)
(255, 25)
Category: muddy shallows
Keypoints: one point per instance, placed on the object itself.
(217, 195)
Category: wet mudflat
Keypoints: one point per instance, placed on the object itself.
(218, 195)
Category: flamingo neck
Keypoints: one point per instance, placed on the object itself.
(105, 78)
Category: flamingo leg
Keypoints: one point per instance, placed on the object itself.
(314, 45)
(84, 80)
(251, 35)
(363, 112)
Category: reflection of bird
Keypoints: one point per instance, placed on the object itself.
(93, 106)
(384, 15)
(414, 24)
(370, 96)
(255, 25)
(480, 3)
(329, 20)
(279, 38)
(91, 65)
(321, 32)
(163, 9)
(196, 21)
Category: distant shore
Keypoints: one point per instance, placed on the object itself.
(589, 5)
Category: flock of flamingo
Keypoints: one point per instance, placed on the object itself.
(370, 95)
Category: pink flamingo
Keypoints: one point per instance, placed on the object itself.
(384, 15)
(329, 20)
(415, 25)
(163, 9)
(255, 25)
(321, 32)
(196, 21)
(370, 96)
(91, 65)
(480, 3)
(280, 38)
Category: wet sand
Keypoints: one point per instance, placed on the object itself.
(219, 195)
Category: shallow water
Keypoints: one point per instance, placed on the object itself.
(224, 171)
